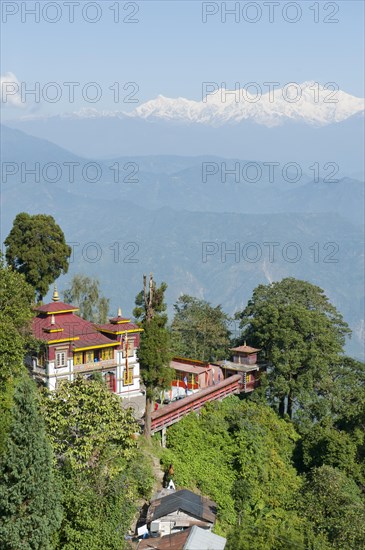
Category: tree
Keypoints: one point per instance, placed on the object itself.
(30, 510)
(16, 298)
(325, 444)
(36, 247)
(347, 394)
(98, 511)
(88, 426)
(301, 334)
(333, 504)
(154, 351)
(201, 330)
(84, 292)
(99, 465)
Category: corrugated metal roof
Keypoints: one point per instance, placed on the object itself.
(194, 538)
(202, 539)
(185, 500)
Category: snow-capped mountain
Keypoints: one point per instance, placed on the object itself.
(309, 102)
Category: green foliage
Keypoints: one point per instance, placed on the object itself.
(324, 444)
(140, 471)
(88, 426)
(347, 394)
(84, 292)
(30, 510)
(268, 530)
(151, 303)
(103, 473)
(239, 453)
(16, 299)
(97, 511)
(200, 330)
(36, 247)
(6, 408)
(154, 351)
(333, 504)
(301, 334)
(154, 356)
(201, 451)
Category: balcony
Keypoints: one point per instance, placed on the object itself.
(95, 365)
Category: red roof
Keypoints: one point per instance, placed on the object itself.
(115, 328)
(174, 541)
(55, 307)
(245, 349)
(74, 328)
(119, 320)
(93, 339)
(185, 367)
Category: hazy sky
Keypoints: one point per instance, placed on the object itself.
(170, 51)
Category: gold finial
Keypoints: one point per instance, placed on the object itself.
(119, 312)
(55, 297)
(245, 344)
(53, 322)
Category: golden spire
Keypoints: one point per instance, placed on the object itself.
(119, 312)
(55, 297)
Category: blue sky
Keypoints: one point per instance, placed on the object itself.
(170, 51)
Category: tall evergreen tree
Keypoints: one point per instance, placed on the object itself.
(37, 248)
(16, 298)
(30, 510)
(154, 352)
(302, 335)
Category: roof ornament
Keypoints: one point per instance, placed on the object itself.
(53, 322)
(119, 312)
(55, 297)
(245, 344)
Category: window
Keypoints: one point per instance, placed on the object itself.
(89, 357)
(107, 353)
(111, 381)
(61, 359)
(78, 358)
(130, 348)
(128, 377)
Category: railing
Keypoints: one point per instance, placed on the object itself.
(95, 365)
(169, 414)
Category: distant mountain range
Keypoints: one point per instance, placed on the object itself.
(309, 102)
(161, 221)
(322, 126)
